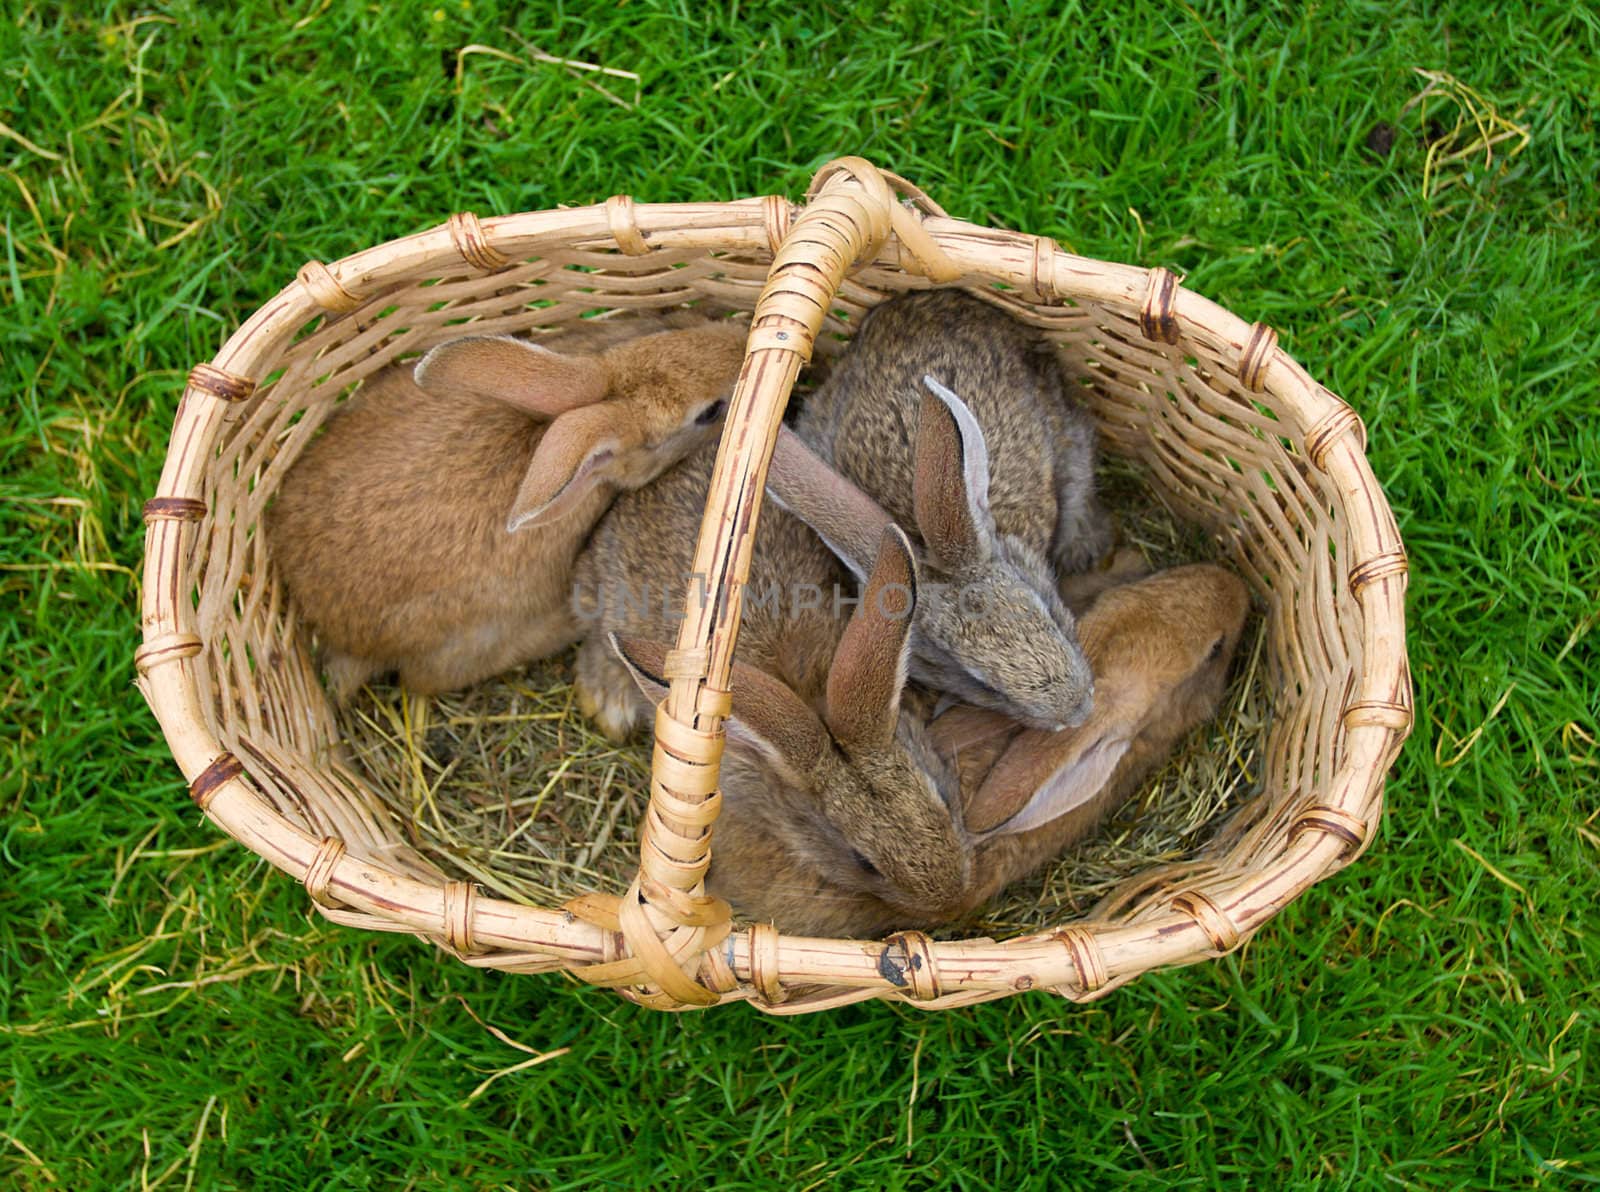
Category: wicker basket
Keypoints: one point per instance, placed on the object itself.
(1227, 427)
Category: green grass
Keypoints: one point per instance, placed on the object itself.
(173, 1014)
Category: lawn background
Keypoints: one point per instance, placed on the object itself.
(174, 1016)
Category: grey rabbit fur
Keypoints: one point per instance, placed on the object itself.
(956, 420)
(431, 527)
(822, 771)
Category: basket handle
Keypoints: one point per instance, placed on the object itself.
(852, 209)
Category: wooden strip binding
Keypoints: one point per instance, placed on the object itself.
(1042, 270)
(1157, 317)
(187, 509)
(676, 779)
(625, 226)
(168, 647)
(457, 917)
(716, 973)
(319, 874)
(1084, 952)
(1321, 817)
(472, 242)
(910, 192)
(216, 382)
(1256, 355)
(1219, 929)
(1378, 714)
(206, 783)
(715, 702)
(693, 746)
(764, 964)
(657, 960)
(1377, 568)
(777, 213)
(782, 338)
(1334, 426)
(686, 910)
(931, 260)
(908, 960)
(325, 289)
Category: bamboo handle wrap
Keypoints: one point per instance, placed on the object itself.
(666, 919)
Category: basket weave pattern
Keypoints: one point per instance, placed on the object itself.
(1229, 429)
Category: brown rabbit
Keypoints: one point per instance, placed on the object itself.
(1161, 647)
(431, 528)
(955, 418)
(822, 770)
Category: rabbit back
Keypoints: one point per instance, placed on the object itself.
(635, 572)
(402, 495)
(863, 419)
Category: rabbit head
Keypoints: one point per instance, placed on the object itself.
(844, 821)
(619, 418)
(991, 628)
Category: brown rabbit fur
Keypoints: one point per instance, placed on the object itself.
(955, 418)
(431, 527)
(822, 772)
(1161, 647)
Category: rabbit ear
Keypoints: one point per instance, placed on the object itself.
(869, 665)
(570, 460)
(767, 717)
(1041, 777)
(513, 371)
(848, 521)
(950, 483)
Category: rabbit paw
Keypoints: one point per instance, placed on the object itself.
(613, 712)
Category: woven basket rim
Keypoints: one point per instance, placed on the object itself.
(663, 943)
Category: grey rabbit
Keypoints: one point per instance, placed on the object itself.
(955, 419)
(822, 771)
(431, 527)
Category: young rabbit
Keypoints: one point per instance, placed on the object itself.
(954, 417)
(822, 772)
(1161, 647)
(431, 528)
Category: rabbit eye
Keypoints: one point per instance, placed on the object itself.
(863, 864)
(711, 413)
(1216, 650)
